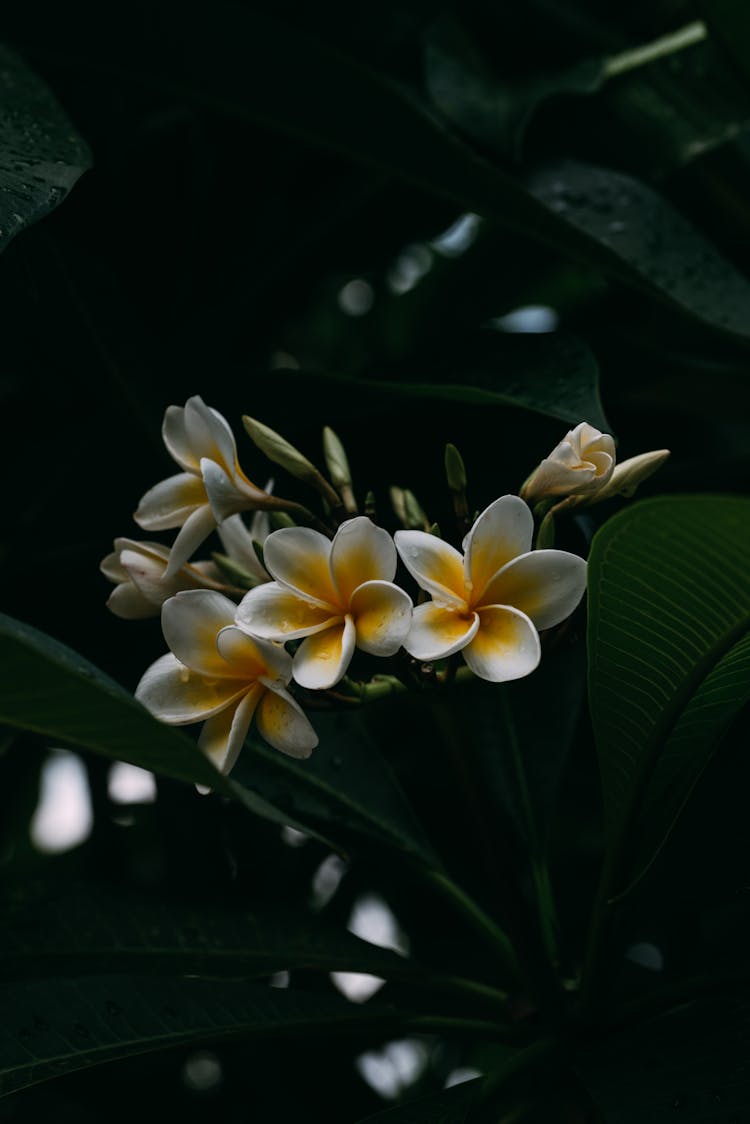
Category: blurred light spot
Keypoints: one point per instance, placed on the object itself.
(393, 1069)
(283, 360)
(463, 1073)
(325, 881)
(372, 920)
(458, 237)
(646, 955)
(290, 835)
(63, 817)
(530, 318)
(356, 297)
(202, 1071)
(356, 986)
(127, 784)
(409, 268)
(279, 979)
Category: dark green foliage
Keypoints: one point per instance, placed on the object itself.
(250, 161)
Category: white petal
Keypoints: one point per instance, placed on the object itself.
(126, 602)
(177, 441)
(177, 695)
(556, 477)
(170, 502)
(146, 572)
(361, 552)
(438, 631)
(191, 623)
(298, 558)
(253, 657)
(223, 736)
(209, 434)
(546, 585)
(284, 725)
(228, 494)
(436, 566)
(196, 529)
(505, 647)
(322, 659)
(276, 613)
(501, 532)
(382, 617)
(237, 541)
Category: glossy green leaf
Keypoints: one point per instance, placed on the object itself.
(606, 219)
(48, 929)
(551, 374)
(52, 1027)
(669, 615)
(345, 788)
(49, 689)
(41, 155)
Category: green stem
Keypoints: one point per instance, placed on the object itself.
(657, 49)
(481, 922)
(543, 897)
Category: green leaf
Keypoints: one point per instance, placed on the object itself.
(49, 689)
(62, 929)
(41, 155)
(669, 614)
(52, 1027)
(729, 23)
(551, 374)
(448, 1107)
(606, 219)
(346, 788)
(689, 1064)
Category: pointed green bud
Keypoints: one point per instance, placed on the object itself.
(337, 464)
(279, 519)
(545, 538)
(435, 530)
(398, 504)
(416, 520)
(455, 470)
(234, 573)
(370, 504)
(278, 450)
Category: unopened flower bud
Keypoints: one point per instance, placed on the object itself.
(281, 452)
(454, 469)
(337, 464)
(581, 464)
(629, 474)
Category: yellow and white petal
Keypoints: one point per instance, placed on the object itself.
(191, 622)
(546, 585)
(361, 552)
(275, 613)
(169, 503)
(284, 725)
(299, 558)
(195, 530)
(382, 617)
(127, 602)
(228, 494)
(252, 657)
(559, 475)
(322, 659)
(501, 532)
(175, 694)
(223, 736)
(438, 631)
(505, 647)
(436, 566)
(209, 434)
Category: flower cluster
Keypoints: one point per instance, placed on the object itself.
(281, 613)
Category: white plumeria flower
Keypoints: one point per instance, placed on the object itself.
(211, 488)
(237, 540)
(139, 568)
(582, 463)
(489, 602)
(217, 674)
(340, 595)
